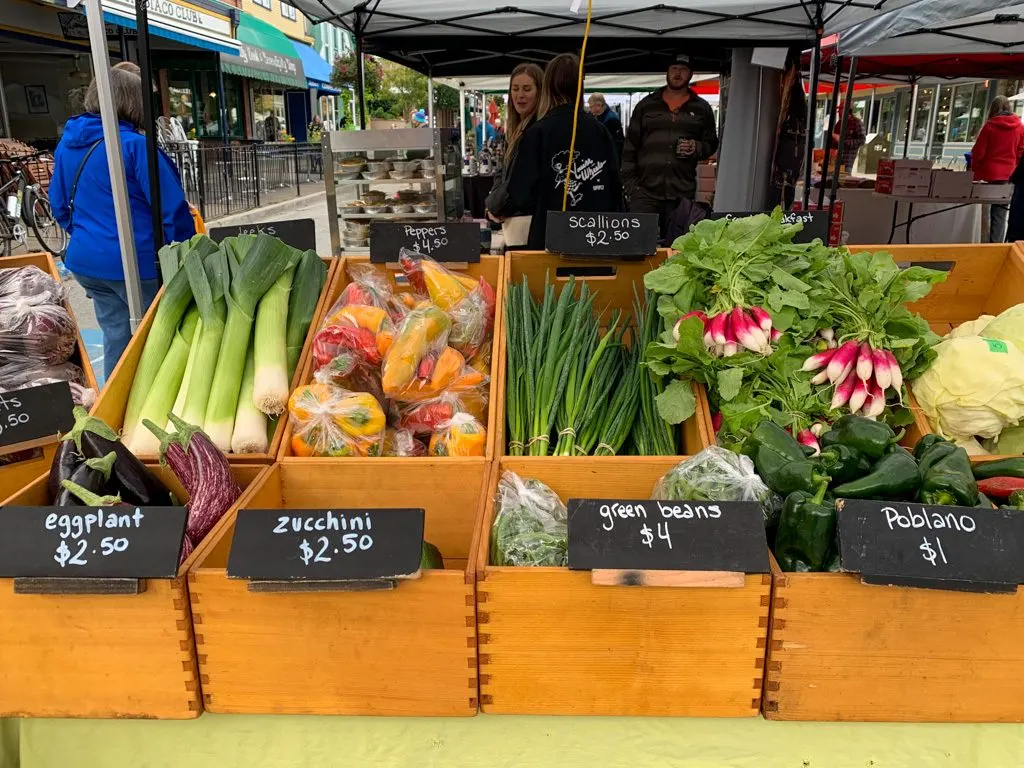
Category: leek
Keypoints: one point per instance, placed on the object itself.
(162, 394)
(209, 281)
(190, 366)
(310, 276)
(261, 266)
(270, 393)
(250, 434)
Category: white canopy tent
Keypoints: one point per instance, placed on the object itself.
(601, 83)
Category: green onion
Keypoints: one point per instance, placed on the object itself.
(270, 393)
(250, 434)
(261, 266)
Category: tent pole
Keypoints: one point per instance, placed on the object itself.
(462, 121)
(5, 123)
(828, 134)
(430, 100)
(360, 74)
(911, 113)
(812, 96)
(115, 162)
(842, 129)
(149, 121)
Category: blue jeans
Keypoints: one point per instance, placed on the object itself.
(110, 300)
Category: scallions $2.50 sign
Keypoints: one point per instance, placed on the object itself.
(326, 544)
(621, 534)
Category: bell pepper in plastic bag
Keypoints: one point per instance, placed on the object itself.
(424, 331)
(462, 436)
(369, 287)
(401, 442)
(330, 421)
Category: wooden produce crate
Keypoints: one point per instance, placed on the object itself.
(843, 650)
(408, 651)
(18, 474)
(109, 656)
(613, 283)
(553, 643)
(984, 279)
(464, 477)
(114, 399)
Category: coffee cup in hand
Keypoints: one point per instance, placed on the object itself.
(686, 147)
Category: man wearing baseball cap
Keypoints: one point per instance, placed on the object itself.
(670, 131)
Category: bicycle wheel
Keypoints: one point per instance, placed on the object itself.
(48, 231)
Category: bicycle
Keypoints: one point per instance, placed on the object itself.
(26, 204)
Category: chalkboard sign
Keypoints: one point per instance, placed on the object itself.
(667, 535)
(624, 235)
(958, 548)
(84, 542)
(455, 241)
(816, 223)
(326, 544)
(30, 417)
(298, 233)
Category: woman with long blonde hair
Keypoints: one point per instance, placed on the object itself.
(523, 93)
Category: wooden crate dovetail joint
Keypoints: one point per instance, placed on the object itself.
(102, 656)
(409, 651)
(544, 632)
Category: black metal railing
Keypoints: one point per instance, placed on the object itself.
(222, 180)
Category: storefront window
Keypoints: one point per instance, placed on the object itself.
(233, 95)
(942, 119)
(886, 108)
(269, 122)
(960, 114)
(903, 105)
(209, 116)
(925, 103)
(179, 90)
(979, 110)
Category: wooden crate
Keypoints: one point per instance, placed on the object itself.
(114, 399)
(17, 475)
(843, 650)
(109, 656)
(410, 651)
(552, 643)
(464, 477)
(613, 283)
(984, 279)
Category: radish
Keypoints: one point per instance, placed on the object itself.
(827, 334)
(864, 365)
(821, 378)
(731, 343)
(883, 375)
(876, 407)
(775, 334)
(708, 341)
(717, 326)
(762, 318)
(817, 429)
(746, 331)
(806, 437)
(843, 392)
(819, 360)
(842, 362)
(684, 318)
(859, 395)
(716, 421)
(895, 373)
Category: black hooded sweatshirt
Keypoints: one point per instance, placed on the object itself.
(537, 178)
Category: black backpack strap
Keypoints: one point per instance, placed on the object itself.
(78, 176)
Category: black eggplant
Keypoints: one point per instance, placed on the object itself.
(65, 462)
(130, 479)
(91, 474)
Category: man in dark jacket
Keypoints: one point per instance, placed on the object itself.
(607, 117)
(670, 131)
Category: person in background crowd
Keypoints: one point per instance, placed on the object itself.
(1015, 223)
(523, 95)
(83, 203)
(791, 135)
(607, 117)
(537, 181)
(314, 135)
(271, 128)
(129, 66)
(995, 155)
(669, 132)
(855, 138)
(480, 128)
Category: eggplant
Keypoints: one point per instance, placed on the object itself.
(65, 462)
(131, 480)
(92, 474)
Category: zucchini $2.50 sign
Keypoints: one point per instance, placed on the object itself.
(326, 544)
(617, 534)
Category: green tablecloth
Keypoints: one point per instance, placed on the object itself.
(222, 741)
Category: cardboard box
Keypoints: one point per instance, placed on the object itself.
(983, 191)
(952, 184)
(904, 177)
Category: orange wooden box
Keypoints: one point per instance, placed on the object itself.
(613, 282)
(114, 399)
(18, 474)
(110, 656)
(410, 651)
(463, 477)
(553, 643)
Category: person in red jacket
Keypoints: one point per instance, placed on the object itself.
(995, 155)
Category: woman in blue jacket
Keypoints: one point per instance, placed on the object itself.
(83, 203)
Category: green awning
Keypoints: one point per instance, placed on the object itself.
(266, 54)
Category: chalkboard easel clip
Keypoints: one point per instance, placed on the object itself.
(31, 585)
(313, 585)
(609, 577)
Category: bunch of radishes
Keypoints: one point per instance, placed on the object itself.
(860, 374)
(732, 331)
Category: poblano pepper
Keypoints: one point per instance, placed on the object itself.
(927, 443)
(932, 456)
(796, 476)
(771, 447)
(948, 479)
(843, 463)
(893, 477)
(872, 438)
(1013, 467)
(807, 531)
(1016, 501)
